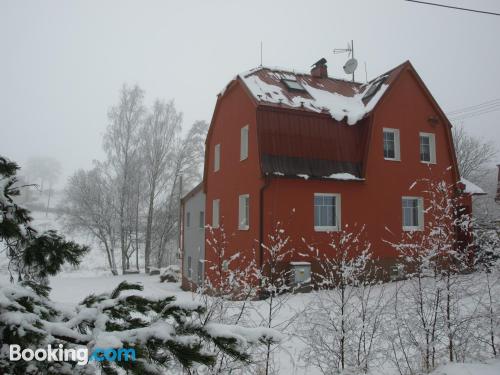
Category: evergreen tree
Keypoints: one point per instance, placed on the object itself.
(32, 255)
(166, 334)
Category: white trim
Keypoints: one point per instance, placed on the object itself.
(432, 147)
(215, 213)
(320, 228)
(244, 212)
(397, 143)
(244, 143)
(217, 157)
(420, 208)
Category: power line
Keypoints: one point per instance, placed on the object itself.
(485, 105)
(454, 7)
(474, 114)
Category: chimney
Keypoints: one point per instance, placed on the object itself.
(497, 197)
(319, 69)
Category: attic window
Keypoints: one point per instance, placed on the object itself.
(374, 87)
(293, 85)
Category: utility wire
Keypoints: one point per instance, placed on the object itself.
(454, 7)
(483, 105)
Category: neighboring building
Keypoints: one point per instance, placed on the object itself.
(315, 153)
(193, 235)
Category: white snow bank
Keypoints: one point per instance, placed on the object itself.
(492, 368)
(352, 108)
(471, 188)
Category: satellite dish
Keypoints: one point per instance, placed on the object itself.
(350, 66)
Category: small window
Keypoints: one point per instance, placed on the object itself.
(217, 157)
(244, 212)
(427, 148)
(225, 265)
(373, 89)
(326, 212)
(200, 271)
(391, 144)
(413, 213)
(202, 219)
(244, 143)
(215, 213)
(293, 85)
(189, 269)
(188, 219)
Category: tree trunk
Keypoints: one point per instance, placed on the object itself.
(149, 229)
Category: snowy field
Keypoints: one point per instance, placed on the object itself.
(71, 288)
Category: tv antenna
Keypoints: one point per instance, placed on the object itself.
(351, 64)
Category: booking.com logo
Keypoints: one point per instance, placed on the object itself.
(79, 355)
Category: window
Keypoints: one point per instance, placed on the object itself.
(373, 88)
(292, 84)
(200, 271)
(217, 157)
(244, 212)
(215, 213)
(189, 269)
(188, 219)
(391, 144)
(202, 219)
(326, 212)
(244, 143)
(413, 213)
(427, 148)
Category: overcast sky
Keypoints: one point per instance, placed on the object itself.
(62, 63)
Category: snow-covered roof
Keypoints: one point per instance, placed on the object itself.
(471, 188)
(343, 100)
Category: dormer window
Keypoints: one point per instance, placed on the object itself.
(292, 84)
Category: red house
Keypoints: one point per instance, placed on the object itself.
(315, 153)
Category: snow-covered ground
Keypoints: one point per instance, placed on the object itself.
(71, 288)
(73, 285)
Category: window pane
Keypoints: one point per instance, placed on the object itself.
(389, 145)
(425, 153)
(325, 211)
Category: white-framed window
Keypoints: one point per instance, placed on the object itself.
(428, 148)
(244, 143)
(413, 213)
(202, 219)
(215, 213)
(189, 268)
(244, 212)
(188, 219)
(217, 157)
(391, 144)
(326, 212)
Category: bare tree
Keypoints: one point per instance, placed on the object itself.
(474, 155)
(159, 137)
(89, 206)
(188, 154)
(44, 171)
(342, 326)
(121, 144)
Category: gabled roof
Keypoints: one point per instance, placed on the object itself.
(341, 99)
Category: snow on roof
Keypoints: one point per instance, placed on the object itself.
(343, 176)
(342, 99)
(471, 188)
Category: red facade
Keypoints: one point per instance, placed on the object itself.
(289, 141)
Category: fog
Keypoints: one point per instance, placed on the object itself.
(63, 62)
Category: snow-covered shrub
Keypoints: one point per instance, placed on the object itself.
(171, 274)
(342, 325)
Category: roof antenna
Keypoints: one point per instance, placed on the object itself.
(366, 74)
(351, 64)
(261, 53)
